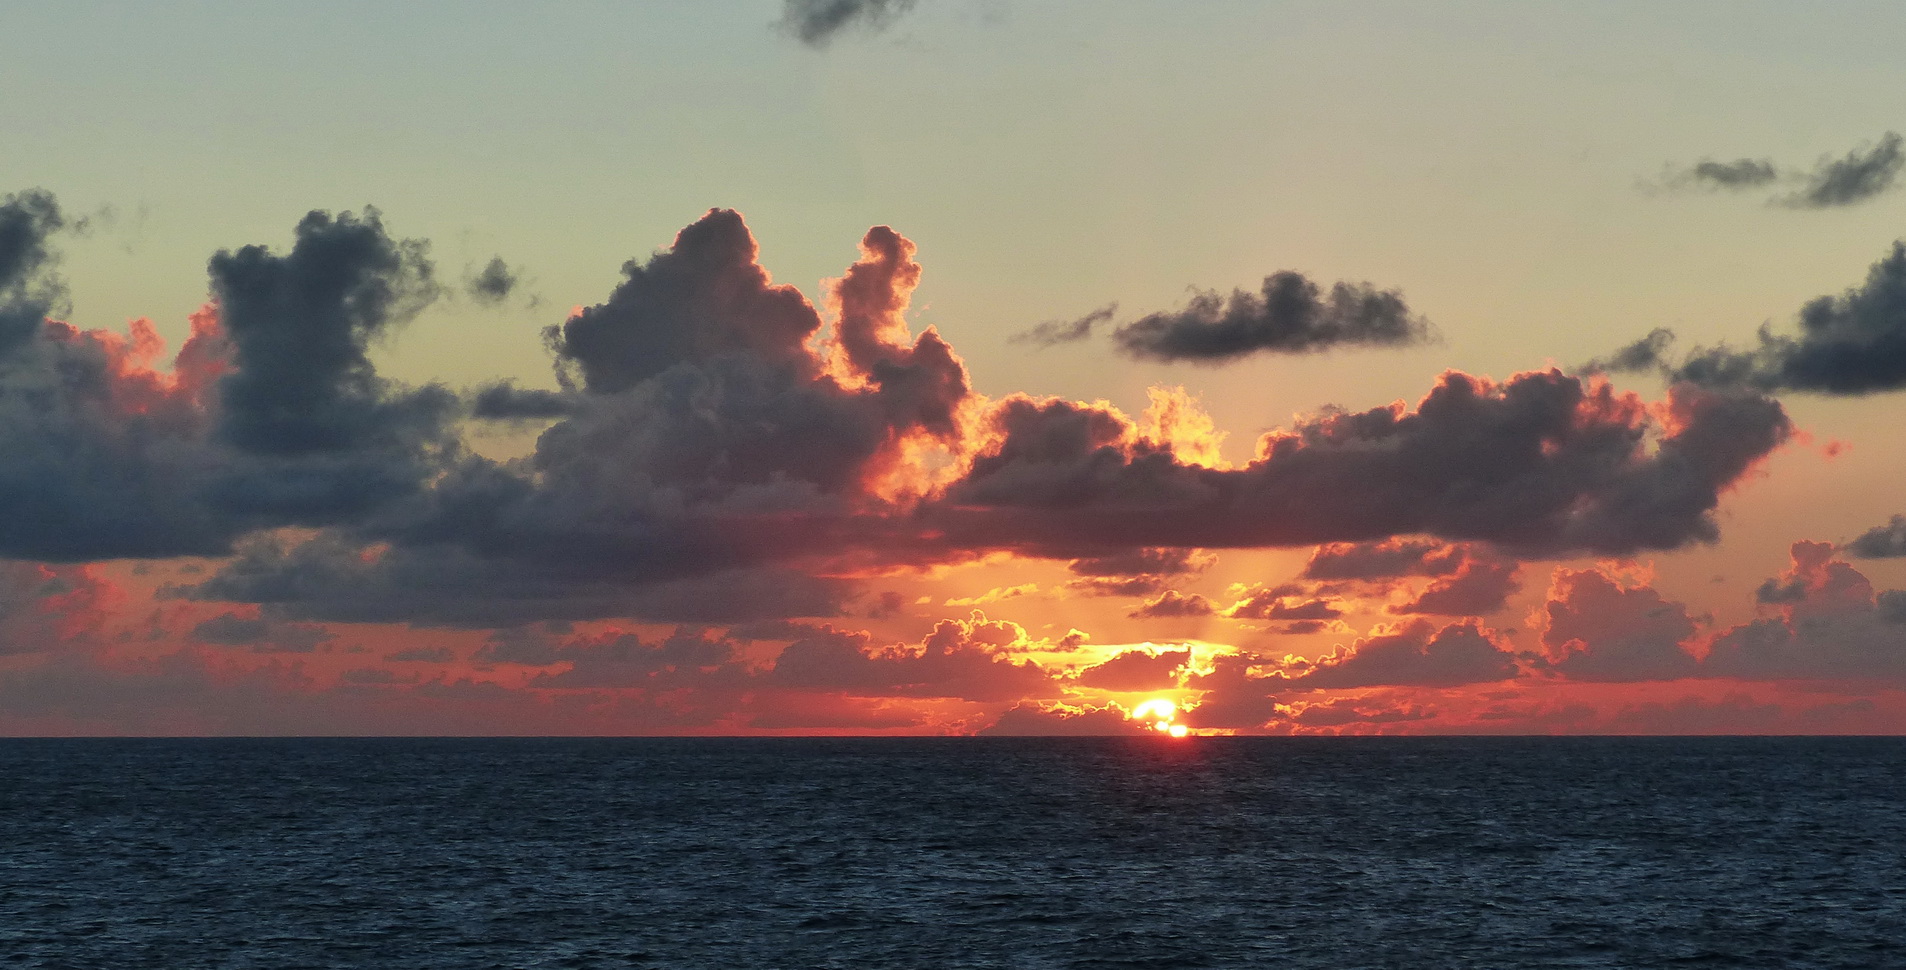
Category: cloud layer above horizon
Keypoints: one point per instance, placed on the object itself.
(730, 484)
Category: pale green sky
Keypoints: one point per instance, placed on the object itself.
(1489, 159)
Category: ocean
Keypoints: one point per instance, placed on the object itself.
(953, 852)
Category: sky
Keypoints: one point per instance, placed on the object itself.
(952, 367)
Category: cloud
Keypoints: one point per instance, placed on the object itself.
(1742, 173)
(1882, 541)
(300, 326)
(1059, 720)
(718, 454)
(1830, 625)
(494, 284)
(1117, 585)
(619, 660)
(1139, 562)
(260, 634)
(1598, 629)
(1350, 710)
(1540, 464)
(1137, 572)
(1388, 559)
(46, 608)
(504, 401)
(995, 594)
(1863, 173)
(107, 456)
(1235, 693)
(1172, 603)
(331, 578)
(1137, 670)
(1287, 602)
(703, 299)
(1417, 655)
(1480, 587)
(1065, 331)
(817, 22)
(1737, 713)
(1288, 315)
(704, 436)
(1854, 343)
(432, 655)
(1648, 353)
(28, 290)
(271, 414)
(956, 660)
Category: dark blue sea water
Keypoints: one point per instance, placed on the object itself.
(949, 853)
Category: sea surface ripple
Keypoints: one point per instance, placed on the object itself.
(950, 853)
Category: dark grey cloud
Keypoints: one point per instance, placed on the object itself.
(1774, 592)
(494, 284)
(334, 578)
(1541, 464)
(1861, 174)
(272, 414)
(1742, 173)
(1065, 331)
(702, 299)
(1854, 343)
(818, 22)
(1882, 541)
(261, 634)
(504, 401)
(28, 290)
(300, 326)
(104, 458)
(704, 447)
(1648, 353)
(1290, 314)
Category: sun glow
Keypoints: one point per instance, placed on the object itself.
(1163, 714)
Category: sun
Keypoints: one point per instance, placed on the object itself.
(1163, 715)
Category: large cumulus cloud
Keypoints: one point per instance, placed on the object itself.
(709, 437)
(270, 414)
